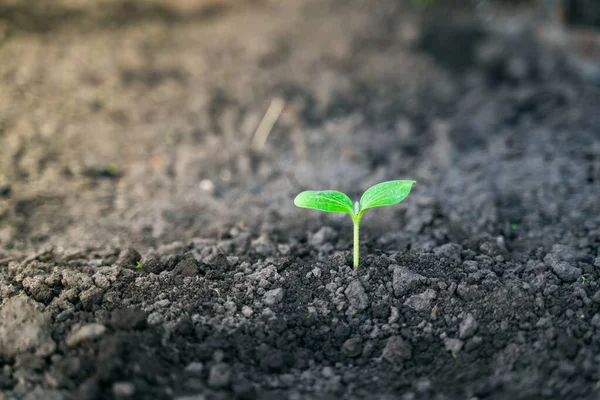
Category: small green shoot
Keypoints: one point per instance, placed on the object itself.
(514, 227)
(138, 265)
(382, 194)
(583, 279)
(112, 169)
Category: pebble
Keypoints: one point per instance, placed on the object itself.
(128, 258)
(247, 311)
(596, 297)
(195, 367)
(219, 376)
(22, 326)
(421, 302)
(153, 265)
(563, 269)
(467, 327)
(263, 246)
(155, 318)
(404, 280)
(352, 347)
(596, 320)
(85, 333)
(38, 289)
(91, 297)
(123, 389)
(327, 372)
(76, 280)
(187, 267)
(396, 350)
(273, 296)
(163, 303)
(450, 251)
(94, 263)
(356, 295)
(453, 345)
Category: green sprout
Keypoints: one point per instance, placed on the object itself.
(138, 265)
(583, 279)
(112, 169)
(382, 194)
(514, 227)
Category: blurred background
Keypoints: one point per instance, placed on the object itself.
(150, 121)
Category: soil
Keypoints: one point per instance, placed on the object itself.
(150, 248)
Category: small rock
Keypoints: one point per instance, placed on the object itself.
(195, 367)
(22, 326)
(273, 296)
(123, 389)
(316, 271)
(187, 267)
(566, 253)
(596, 320)
(76, 280)
(453, 345)
(101, 281)
(322, 236)
(465, 291)
(563, 269)
(85, 333)
(467, 327)
(94, 263)
(421, 302)
(405, 280)
(129, 258)
(327, 372)
(128, 318)
(352, 347)
(596, 297)
(356, 295)
(450, 251)
(396, 350)
(153, 265)
(90, 297)
(155, 318)
(220, 263)
(164, 303)
(247, 311)
(38, 289)
(219, 376)
(264, 246)
(283, 249)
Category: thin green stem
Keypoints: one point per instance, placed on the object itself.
(356, 242)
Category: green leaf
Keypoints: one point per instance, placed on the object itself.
(385, 194)
(325, 200)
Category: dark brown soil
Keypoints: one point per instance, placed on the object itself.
(150, 248)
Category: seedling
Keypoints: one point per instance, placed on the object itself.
(112, 169)
(382, 194)
(138, 265)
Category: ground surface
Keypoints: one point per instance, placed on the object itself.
(125, 137)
